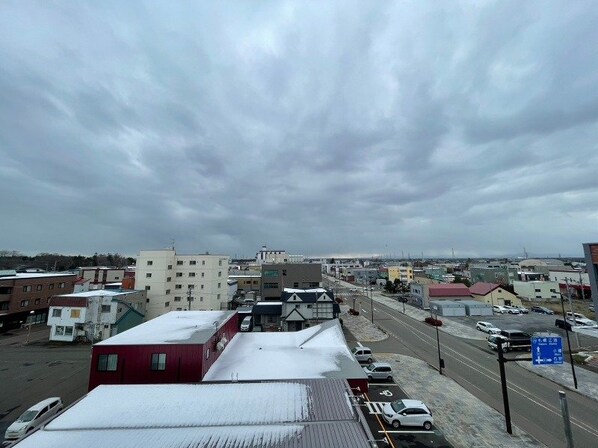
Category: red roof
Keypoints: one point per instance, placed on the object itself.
(77, 302)
(481, 288)
(450, 290)
(81, 281)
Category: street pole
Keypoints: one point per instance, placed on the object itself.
(372, 303)
(31, 313)
(566, 420)
(503, 382)
(189, 298)
(569, 343)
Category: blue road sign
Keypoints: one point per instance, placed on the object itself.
(547, 350)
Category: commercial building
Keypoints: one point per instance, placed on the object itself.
(265, 255)
(577, 281)
(493, 294)
(171, 279)
(246, 280)
(537, 290)
(504, 274)
(421, 294)
(99, 276)
(25, 297)
(591, 254)
(276, 277)
(282, 414)
(177, 347)
(95, 315)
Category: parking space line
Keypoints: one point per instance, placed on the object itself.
(389, 440)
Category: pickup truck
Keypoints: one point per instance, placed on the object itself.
(517, 340)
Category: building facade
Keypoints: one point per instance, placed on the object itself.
(403, 273)
(25, 297)
(537, 290)
(171, 279)
(99, 276)
(591, 254)
(493, 294)
(266, 255)
(246, 280)
(303, 308)
(276, 277)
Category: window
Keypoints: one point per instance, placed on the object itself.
(177, 299)
(169, 267)
(202, 274)
(107, 363)
(148, 275)
(219, 262)
(159, 361)
(147, 288)
(26, 288)
(270, 285)
(150, 262)
(57, 312)
(24, 303)
(270, 273)
(179, 274)
(179, 262)
(39, 287)
(179, 309)
(207, 353)
(191, 274)
(178, 286)
(190, 286)
(61, 285)
(168, 279)
(201, 299)
(59, 331)
(193, 262)
(166, 304)
(51, 286)
(219, 273)
(295, 284)
(218, 296)
(105, 308)
(203, 262)
(219, 285)
(75, 314)
(37, 301)
(168, 291)
(68, 331)
(313, 284)
(4, 306)
(284, 272)
(201, 286)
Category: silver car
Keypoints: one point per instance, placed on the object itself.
(487, 327)
(33, 417)
(378, 371)
(407, 413)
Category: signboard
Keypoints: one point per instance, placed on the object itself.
(547, 350)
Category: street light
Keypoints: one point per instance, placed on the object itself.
(31, 313)
(569, 341)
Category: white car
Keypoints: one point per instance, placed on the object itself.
(493, 342)
(407, 413)
(499, 309)
(33, 417)
(487, 327)
(512, 309)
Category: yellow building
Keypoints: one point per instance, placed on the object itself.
(403, 273)
(494, 294)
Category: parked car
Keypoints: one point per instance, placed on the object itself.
(247, 324)
(487, 327)
(517, 339)
(541, 310)
(511, 309)
(493, 342)
(378, 371)
(591, 307)
(33, 417)
(522, 309)
(407, 413)
(499, 309)
(363, 354)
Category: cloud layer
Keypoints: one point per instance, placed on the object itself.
(316, 127)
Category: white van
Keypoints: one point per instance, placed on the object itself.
(363, 354)
(247, 324)
(33, 417)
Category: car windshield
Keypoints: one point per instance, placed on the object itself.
(397, 406)
(27, 416)
(371, 367)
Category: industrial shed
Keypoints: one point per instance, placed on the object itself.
(475, 308)
(447, 308)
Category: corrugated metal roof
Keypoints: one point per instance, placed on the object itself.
(289, 414)
(481, 288)
(79, 302)
(451, 290)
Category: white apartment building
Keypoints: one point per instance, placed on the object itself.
(537, 290)
(169, 278)
(267, 256)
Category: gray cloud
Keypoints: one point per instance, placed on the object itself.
(335, 128)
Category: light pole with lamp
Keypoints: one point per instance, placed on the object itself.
(569, 343)
(31, 313)
(435, 317)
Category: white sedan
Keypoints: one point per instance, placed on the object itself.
(487, 327)
(407, 413)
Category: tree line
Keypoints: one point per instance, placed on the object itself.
(11, 259)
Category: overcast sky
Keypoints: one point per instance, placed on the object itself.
(316, 127)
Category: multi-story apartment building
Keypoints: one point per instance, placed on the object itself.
(170, 279)
(537, 290)
(266, 255)
(25, 297)
(403, 273)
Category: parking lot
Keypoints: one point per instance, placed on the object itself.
(382, 393)
(531, 323)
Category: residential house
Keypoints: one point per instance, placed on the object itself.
(493, 294)
(302, 308)
(267, 315)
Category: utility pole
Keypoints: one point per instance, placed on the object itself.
(566, 420)
(569, 343)
(503, 383)
(189, 298)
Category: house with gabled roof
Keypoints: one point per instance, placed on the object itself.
(302, 308)
(493, 294)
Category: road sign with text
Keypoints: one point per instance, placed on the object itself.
(547, 350)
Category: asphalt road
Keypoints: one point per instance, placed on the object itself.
(31, 373)
(534, 401)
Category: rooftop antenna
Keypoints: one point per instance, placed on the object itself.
(453, 250)
(172, 243)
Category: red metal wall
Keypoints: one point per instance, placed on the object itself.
(185, 363)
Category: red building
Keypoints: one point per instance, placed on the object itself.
(177, 347)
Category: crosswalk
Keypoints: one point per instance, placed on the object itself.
(375, 407)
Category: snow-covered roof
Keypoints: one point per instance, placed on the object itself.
(312, 290)
(25, 275)
(317, 352)
(267, 302)
(176, 327)
(298, 414)
(100, 292)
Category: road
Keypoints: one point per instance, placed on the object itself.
(534, 401)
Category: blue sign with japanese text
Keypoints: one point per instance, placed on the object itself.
(547, 350)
